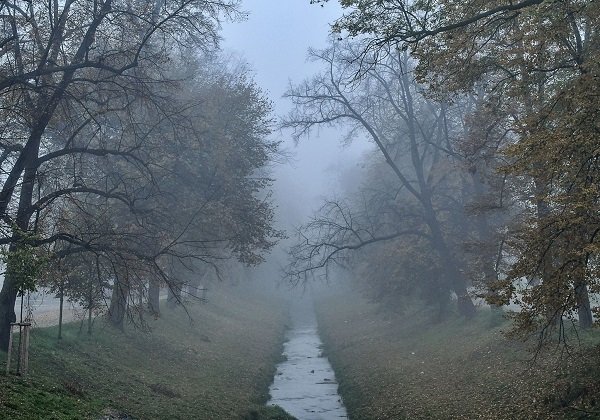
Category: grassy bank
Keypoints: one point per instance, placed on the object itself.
(218, 366)
(393, 367)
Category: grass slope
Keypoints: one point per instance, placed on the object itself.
(217, 367)
(391, 367)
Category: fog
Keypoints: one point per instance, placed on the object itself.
(275, 40)
(299, 209)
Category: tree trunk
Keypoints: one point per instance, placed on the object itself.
(154, 297)
(90, 304)
(10, 288)
(440, 311)
(89, 330)
(454, 277)
(118, 302)
(488, 256)
(584, 310)
(60, 308)
(27, 164)
(464, 303)
(8, 297)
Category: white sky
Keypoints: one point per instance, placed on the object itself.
(276, 37)
(274, 41)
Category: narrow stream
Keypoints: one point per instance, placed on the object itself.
(304, 383)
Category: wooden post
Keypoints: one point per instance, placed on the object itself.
(10, 342)
(25, 364)
(23, 356)
(90, 306)
(60, 308)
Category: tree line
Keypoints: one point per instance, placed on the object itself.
(485, 182)
(134, 156)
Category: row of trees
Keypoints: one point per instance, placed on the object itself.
(132, 154)
(486, 115)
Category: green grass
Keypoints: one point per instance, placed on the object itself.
(395, 367)
(217, 367)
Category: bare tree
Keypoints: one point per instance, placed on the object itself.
(65, 68)
(409, 131)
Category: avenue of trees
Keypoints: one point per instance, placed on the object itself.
(133, 156)
(485, 117)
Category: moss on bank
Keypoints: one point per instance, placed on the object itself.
(216, 366)
(394, 367)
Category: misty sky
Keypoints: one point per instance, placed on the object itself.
(274, 41)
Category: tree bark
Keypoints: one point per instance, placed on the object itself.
(8, 297)
(118, 302)
(89, 329)
(455, 278)
(154, 297)
(10, 288)
(27, 164)
(584, 311)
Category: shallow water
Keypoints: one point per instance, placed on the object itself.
(304, 383)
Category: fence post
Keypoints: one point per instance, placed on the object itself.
(10, 343)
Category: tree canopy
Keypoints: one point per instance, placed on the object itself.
(512, 86)
(127, 141)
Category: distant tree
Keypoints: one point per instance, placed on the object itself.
(79, 280)
(411, 133)
(535, 65)
(214, 178)
(198, 199)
